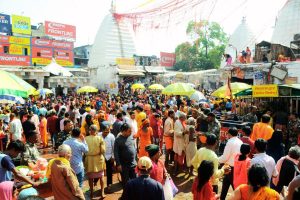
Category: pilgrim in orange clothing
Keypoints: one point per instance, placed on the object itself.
(144, 135)
(262, 129)
(202, 188)
(241, 166)
(43, 131)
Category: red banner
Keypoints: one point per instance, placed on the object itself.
(60, 30)
(52, 43)
(167, 59)
(14, 60)
(42, 52)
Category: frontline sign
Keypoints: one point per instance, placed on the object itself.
(60, 30)
(14, 60)
(52, 44)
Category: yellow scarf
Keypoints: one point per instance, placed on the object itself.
(63, 160)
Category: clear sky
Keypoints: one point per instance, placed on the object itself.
(87, 15)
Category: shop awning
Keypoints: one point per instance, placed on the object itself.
(130, 70)
(155, 69)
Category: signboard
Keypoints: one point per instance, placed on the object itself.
(21, 24)
(291, 80)
(125, 61)
(63, 57)
(16, 49)
(52, 44)
(167, 59)
(4, 39)
(258, 78)
(60, 30)
(41, 61)
(265, 90)
(5, 26)
(19, 40)
(42, 52)
(14, 60)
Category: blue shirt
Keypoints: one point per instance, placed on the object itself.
(78, 149)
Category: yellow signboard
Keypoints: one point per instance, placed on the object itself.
(125, 61)
(19, 40)
(65, 63)
(41, 61)
(19, 49)
(21, 24)
(265, 90)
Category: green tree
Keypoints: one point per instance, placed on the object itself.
(206, 49)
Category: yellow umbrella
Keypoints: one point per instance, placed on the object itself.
(137, 86)
(156, 87)
(235, 88)
(179, 89)
(87, 89)
(42, 91)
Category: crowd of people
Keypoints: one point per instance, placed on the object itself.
(95, 136)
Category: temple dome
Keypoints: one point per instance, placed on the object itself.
(287, 23)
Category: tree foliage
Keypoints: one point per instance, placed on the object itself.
(208, 41)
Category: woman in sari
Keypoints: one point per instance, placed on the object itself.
(144, 136)
(43, 130)
(257, 188)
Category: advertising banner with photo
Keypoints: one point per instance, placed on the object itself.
(14, 60)
(59, 30)
(21, 24)
(52, 44)
(5, 26)
(167, 59)
(64, 58)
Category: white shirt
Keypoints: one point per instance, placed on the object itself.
(61, 124)
(133, 124)
(109, 145)
(16, 129)
(111, 119)
(83, 117)
(267, 161)
(232, 148)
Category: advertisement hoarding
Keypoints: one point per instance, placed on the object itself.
(60, 30)
(5, 26)
(21, 24)
(14, 60)
(52, 44)
(42, 52)
(167, 59)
